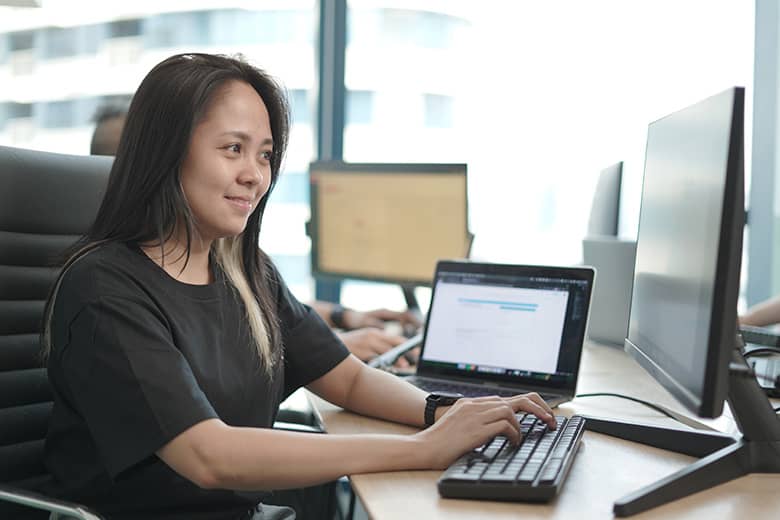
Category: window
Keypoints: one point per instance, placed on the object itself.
(232, 26)
(292, 187)
(276, 36)
(66, 113)
(535, 101)
(56, 114)
(124, 28)
(359, 107)
(59, 43)
(438, 111)
(18, 110)
(174, 29)
(21, 41)
(299, 105)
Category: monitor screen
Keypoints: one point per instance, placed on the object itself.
(686, 279)
(605, 209)
(387, 222)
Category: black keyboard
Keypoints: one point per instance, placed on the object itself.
(532, 471)
(760, 336)
(465, 389)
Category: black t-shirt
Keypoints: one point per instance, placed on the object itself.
(138, 357)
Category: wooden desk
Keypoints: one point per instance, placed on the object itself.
(606, 468)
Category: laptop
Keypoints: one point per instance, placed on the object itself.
(613, 258)
(498, 329)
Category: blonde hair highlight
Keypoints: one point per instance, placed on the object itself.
(229, 256)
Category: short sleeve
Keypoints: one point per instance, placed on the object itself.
(311, 349)
(133, 387)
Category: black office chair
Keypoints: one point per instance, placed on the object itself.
(47, 201)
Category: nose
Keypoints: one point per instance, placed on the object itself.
(251, 173)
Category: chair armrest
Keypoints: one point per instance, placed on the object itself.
(60, 509)
(295, 427)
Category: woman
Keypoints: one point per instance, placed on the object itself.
(172, 338)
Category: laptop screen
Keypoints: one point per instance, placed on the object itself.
(507, 323)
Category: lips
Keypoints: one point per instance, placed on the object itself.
(241, 202)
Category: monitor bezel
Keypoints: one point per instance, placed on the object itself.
(342, 167)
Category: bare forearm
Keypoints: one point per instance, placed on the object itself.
(368, 391)
(252, 459)
(323, 309)
(383, 395)
(762, 314)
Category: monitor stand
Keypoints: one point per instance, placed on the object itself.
(724, 457)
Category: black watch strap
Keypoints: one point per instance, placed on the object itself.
(337, 316)
(434, 401)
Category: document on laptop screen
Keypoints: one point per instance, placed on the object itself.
(496, 326)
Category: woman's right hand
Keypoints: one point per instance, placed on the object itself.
(471, 422)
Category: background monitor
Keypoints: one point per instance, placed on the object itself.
(605, 209)
(387, 222)
(614, 260)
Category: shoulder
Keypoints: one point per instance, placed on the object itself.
(108, 269)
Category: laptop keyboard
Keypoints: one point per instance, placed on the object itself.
(532, 471)
(466, 389)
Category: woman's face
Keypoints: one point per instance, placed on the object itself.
(227, 169)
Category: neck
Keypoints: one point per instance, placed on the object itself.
(173, 259)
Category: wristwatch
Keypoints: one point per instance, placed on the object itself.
(337, 316)
(434, 401)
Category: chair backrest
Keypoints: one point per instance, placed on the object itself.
(47, 201)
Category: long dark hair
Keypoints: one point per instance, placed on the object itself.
(144, 202)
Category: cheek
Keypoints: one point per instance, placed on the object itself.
(266, 183)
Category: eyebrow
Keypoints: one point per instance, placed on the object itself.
(246, 137)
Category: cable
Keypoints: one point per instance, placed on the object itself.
(687, 421)
(761, 351)
(648, 404)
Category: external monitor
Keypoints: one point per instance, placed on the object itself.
(682, 325)
(605, 209)
(387, 222)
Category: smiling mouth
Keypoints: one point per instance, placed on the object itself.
(240, 202)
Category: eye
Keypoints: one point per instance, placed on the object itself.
(235, 147)
(266, 156)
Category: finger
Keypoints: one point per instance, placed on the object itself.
(378, 335)
(498, 412)
(392, 339)
(536, 398)
(505, 428)
(410, 319)
(385, 315)
(530, 406)
(401, 362)
(539, 400)
(381, 342)
(370, 321)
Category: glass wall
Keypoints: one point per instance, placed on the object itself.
(537, 98)
(59, 64)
